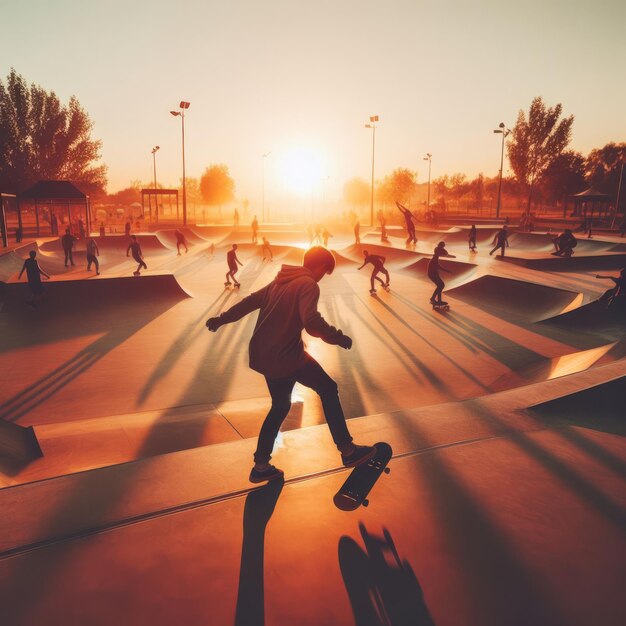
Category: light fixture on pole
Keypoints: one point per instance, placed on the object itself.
(265, 155)
(428, 158)
(372, 125)
(183, 107)
(504, 131)
(154, 151)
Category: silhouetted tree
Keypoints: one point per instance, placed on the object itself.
(217, 186)
(356, 192)
(397, 187)
(43, 139)
(564, 176)
(537, 141)
(128, 195)
(477, 190)
(603, 167)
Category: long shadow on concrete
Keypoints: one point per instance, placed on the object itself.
(383, 589)
(257, 512)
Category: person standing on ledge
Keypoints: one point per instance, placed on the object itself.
(409, 220)
(67, 241)
(135, 248)
(232, 260)
(33, 274)
(92, 255)
(433, 272)
(501, 241)
(287, 306)
(472, 238)
(255, 230)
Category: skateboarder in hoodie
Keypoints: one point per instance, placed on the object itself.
(287, 306)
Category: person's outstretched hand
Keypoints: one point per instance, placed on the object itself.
(345, 342)
(213, 323)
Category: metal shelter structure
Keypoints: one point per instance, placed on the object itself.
(9, 217)
(155, 208)
(586, 202)
(51, 206)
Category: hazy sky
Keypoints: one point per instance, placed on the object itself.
(301, 78)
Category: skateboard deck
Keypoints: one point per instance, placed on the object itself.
(441, 307)
(354, 491)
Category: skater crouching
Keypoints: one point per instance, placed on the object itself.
(287, 306)
(135, 248)
(433, 273)
(379, 267)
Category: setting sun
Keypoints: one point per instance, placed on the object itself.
(300, 169)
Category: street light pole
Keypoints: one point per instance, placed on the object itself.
(183, 107)
(504, 131)
(428, 158)
(265, 155)
(372, 125)
(154, 151)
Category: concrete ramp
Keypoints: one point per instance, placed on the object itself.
(594, 317)
(518, 299)
(89, 294)
(576, 263)
(459, 271)
(18, 446)
(108, 243)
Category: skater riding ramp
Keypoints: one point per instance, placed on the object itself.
(394, 257)
(594, 317)
(459, 271)
(108, 243)
(517, 299)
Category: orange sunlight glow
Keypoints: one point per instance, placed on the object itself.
(300, 169)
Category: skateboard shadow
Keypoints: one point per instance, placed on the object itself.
(257, 512)
(383, 589)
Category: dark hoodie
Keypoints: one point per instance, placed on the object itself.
(287, 306)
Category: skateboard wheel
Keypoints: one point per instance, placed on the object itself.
(387, 470)
(366, 502)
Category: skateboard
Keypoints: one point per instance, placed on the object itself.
(354, 491)
(235, 286)
(444, 306)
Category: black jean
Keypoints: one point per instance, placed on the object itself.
(68, 256)
(440, 285)
(313, 376)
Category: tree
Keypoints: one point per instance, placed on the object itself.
(537, 141)
(217, 186)
(564, 177)
(125, 197)
(477, 189)
(356, 192)
(603, 168)
(42, 139)
(398, 186)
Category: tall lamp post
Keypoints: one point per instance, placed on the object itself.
(504, 131)
(372, 125)
(265, 155)
(428, 158)
(183, 107)
(154, 151)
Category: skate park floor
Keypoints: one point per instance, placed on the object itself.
(495, 512)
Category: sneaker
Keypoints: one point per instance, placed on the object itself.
(361, 454)
(372, 290)
(271, 473)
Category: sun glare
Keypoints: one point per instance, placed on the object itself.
(301, 170)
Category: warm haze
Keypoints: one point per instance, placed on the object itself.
(301, 79)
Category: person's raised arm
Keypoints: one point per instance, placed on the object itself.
(97, 249)
(238, 261)
(128, 249)
(24, 268)
(241, 309)
(314, 323)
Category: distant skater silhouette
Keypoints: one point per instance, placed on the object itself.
(255, 230)
(565, 243)
(212, 249)
(326, 236)
(619, 290)
(409, 220)
(471, 238)
(378, 262)
(127, 228)
(267, 250)
(433, 272)
(180, 241)
(236, 218)
(622, 227)
(383, 226)
(81, 228)
(501, 241)
(287, 306)
(92, 255)
(67, 241)
(135, 248)
(357, 233)
(232, 260)
(33, 275)
(102, 230)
